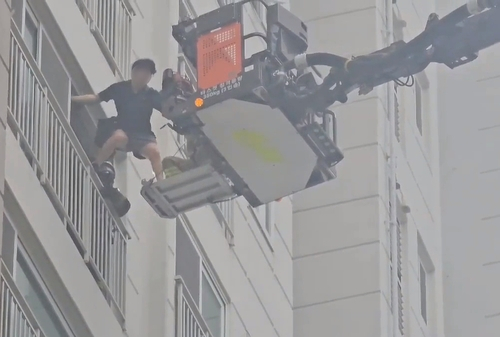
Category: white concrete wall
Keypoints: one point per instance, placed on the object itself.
(470, 176)
(337, 253)
(341, 242)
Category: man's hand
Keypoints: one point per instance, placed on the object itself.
(85, 99)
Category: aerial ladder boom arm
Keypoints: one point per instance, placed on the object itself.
(260, 127)
(454, 40)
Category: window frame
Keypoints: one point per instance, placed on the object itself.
(423, 286)
(266, 220)
(205, 273)
(419, 106)
(13, 256)
(28, 11)
(204, 269)
(20, 250)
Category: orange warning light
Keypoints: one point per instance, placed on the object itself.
(198, 102)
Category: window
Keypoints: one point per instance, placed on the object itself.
(261, 11)
(400, 278)
(211, 305)
(55, 73)
(397, 114)
(37, 298)
(265, 218)
(9, 244)
(31, 286)
(185, 69)
(199, 282)
(397, 311)
(426, 283)
(423, 292)
(83, 125)
(398, 26)
(418, 106)
(31, 33)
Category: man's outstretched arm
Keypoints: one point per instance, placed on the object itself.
(86, 99)
(104, 96)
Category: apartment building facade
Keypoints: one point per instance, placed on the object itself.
(470, 179)
(367, 247)
(70, 267)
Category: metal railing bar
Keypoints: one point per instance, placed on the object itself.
(24, 308)
(193, 308)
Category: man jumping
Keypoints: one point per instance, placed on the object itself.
(130, 130)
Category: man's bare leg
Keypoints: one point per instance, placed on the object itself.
(117, 140)
(152, 153)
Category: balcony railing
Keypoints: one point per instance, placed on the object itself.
(63, 168)
(16, 319)
(110, 22)
(188, 320)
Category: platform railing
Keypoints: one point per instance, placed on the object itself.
(58, 159)
(16, 318)
(189, 320)
(110, 21)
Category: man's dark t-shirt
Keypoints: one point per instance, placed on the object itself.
(134, 109)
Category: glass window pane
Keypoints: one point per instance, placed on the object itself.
(31, 35)
(8, 243)
(37, 300)
(55, 74)
(17, 15)
(211, 308)
(187, 262)
(260, 213)
(270, 217)
(418, 107)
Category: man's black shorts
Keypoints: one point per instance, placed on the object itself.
(136, 141)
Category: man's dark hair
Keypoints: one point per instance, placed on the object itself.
(146, 64)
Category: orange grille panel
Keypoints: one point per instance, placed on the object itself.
(219, 56)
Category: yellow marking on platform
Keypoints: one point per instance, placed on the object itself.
(259, 144)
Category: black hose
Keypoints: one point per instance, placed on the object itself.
(326, 59)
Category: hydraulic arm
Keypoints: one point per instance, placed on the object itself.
(454, 40)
